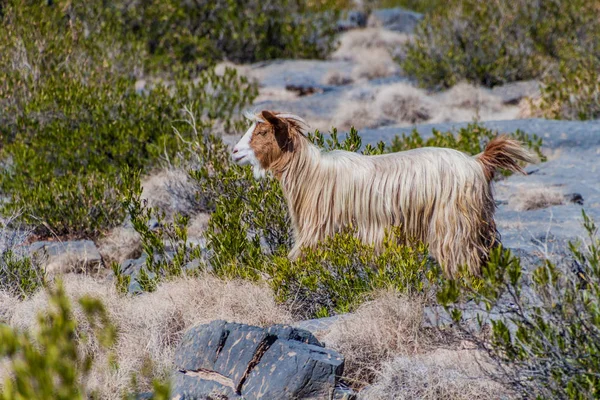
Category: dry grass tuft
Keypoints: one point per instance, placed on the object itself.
(379, 330)
(440, 374)
(337, 78)
(198, 225)
(399, 103)
(373, 64)
(536, 198)
(172, 191)
(151, 325)
(530, 107)
(7, 306)
(353, 43)
(403, 104)
(464, 95)
(120, 244)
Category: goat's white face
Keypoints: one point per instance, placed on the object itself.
(243, 153)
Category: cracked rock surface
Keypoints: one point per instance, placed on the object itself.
(235, 361)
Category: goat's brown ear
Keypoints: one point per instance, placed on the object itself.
(272, 118)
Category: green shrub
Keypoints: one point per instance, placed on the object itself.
(342, 273)
(491, 43)
(544, 325)
(167, 248)
(240, 31)
(74, 118)
(471, 140)
(20, 275)
(573, 92)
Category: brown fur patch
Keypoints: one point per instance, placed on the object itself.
(503, 153)
(274, 141)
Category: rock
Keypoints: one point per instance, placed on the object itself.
(70, 256)
(249, 362)
(574, 198)
(320, 324)
(512, 93)
(395, 19)
(132, 267)
(354, 19)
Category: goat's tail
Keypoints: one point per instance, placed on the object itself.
(503, 153)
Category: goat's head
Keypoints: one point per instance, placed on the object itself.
(268, 142)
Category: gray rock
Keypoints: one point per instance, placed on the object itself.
(84, 251)
(395, 19)
(291, 370)
(132, 267)
(320, 324)
(354, 19)
(513, 92)
(243, 361)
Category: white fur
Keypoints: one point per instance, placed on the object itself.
(244, 155)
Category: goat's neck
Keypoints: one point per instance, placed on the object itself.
(298, 176)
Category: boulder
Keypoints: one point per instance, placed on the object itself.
(242, 361)
(69, 256)
(353, 19)
(395, 19)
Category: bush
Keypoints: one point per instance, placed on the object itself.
(167, 248)
(544, 325)
(240, 31)
(491, 43)
(342, 273)
(573, 92)
(20, 275)
(74, 117)
(471, 140)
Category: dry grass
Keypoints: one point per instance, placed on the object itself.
(399, 103)
(536, 198)
(404, 104)
(7, 306)
(378, 331)
(373, 64)
(120, 244)
(531, 108)
(466, 96)
(353, 43)
(198, 225)
(151, 325)
(172, 191)
(440, 374)
(337, 78)
(373, 50)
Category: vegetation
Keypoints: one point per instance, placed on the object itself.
(20, 275)
(544, 323)
(343, 273)
(491, 43)
(471, 140)
(573, 92)
(74, 111)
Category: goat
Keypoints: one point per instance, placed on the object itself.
(440, 196)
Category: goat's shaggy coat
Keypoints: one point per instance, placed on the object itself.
(439, 196)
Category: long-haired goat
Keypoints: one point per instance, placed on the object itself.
(439, 196)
